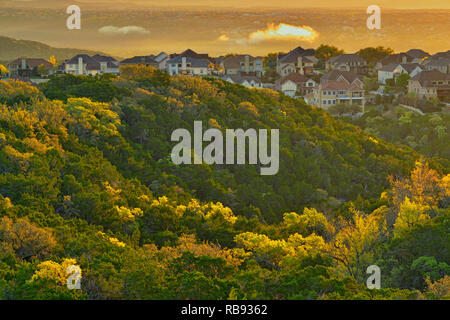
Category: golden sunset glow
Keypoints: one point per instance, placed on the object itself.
(284, 32)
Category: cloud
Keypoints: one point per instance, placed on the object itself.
(112, 30)
(223, 37)
(283, 32)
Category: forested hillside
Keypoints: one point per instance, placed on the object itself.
(11, 49)
(86, 178)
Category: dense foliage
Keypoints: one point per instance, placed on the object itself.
(87, 180)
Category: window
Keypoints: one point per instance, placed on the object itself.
(324, 102)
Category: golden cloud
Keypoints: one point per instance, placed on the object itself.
(284, 32)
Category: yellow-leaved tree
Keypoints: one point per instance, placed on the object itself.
(355, 243)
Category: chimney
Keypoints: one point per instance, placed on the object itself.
(80, 65)
(404, 59)
(300, 65)
(247, 64)
(24, 64)
(183, 63)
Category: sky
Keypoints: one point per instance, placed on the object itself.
(403, 4)
(125, 28)
(396, 4)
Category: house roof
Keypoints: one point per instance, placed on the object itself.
(110, 61)
(395, 58)
(340, 85)
(195, 62)
(140, 60)
(438, 62)
(336, 74)
(417, 53)
(425, 78)
(91, 63)
(410, 67)
(242, 79)
(346, 58)
(33, 63)
(293, 55)
(389, 67)
(161, 56)
(235, 61)
(294, 77)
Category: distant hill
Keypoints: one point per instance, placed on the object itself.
(11, 49)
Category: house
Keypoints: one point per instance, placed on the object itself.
(399, 58)
(186, 65)
(246, 81)
(244, 65)
(392, 71)
(335, 92)
(82, 64)
(295, 84)
(26, 67)
(192, 54)
(429, 84)
(298, 60)
(347, 76)
(107, 64)
(418, 55)
(162, 59)
(338, 87)
(440, 61)
(141, 60)
(347, 62)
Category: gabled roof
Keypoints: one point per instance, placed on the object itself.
(242, 79)
(235, 61)
(425, 78)
(110, 61)
(91, 63)
(410, 67)
(418, 53)
(395, 58)
(340, 85)
(390, 67)
(336, 74)
(161, 56)
(195, 62)
(440, 55)
(346, 58)
(294, 77)
(33, 62)
(293, 55)
(438, 62)
(140, 60)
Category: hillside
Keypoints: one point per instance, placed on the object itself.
(11, 49)
(86, 179)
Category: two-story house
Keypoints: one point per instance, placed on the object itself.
(244, 65)
(347, 62)
(392, 71)
(429, 84)
(182, 65)
(26, 67)
(338, 87)
(398, 58)
(83, 64)
(298, 60)
(295, 84)
(246, 81)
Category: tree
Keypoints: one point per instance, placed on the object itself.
(372, 55)
(42, 70)
(354, 244)
(402, 80)
(3, 70)
(325, 52)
